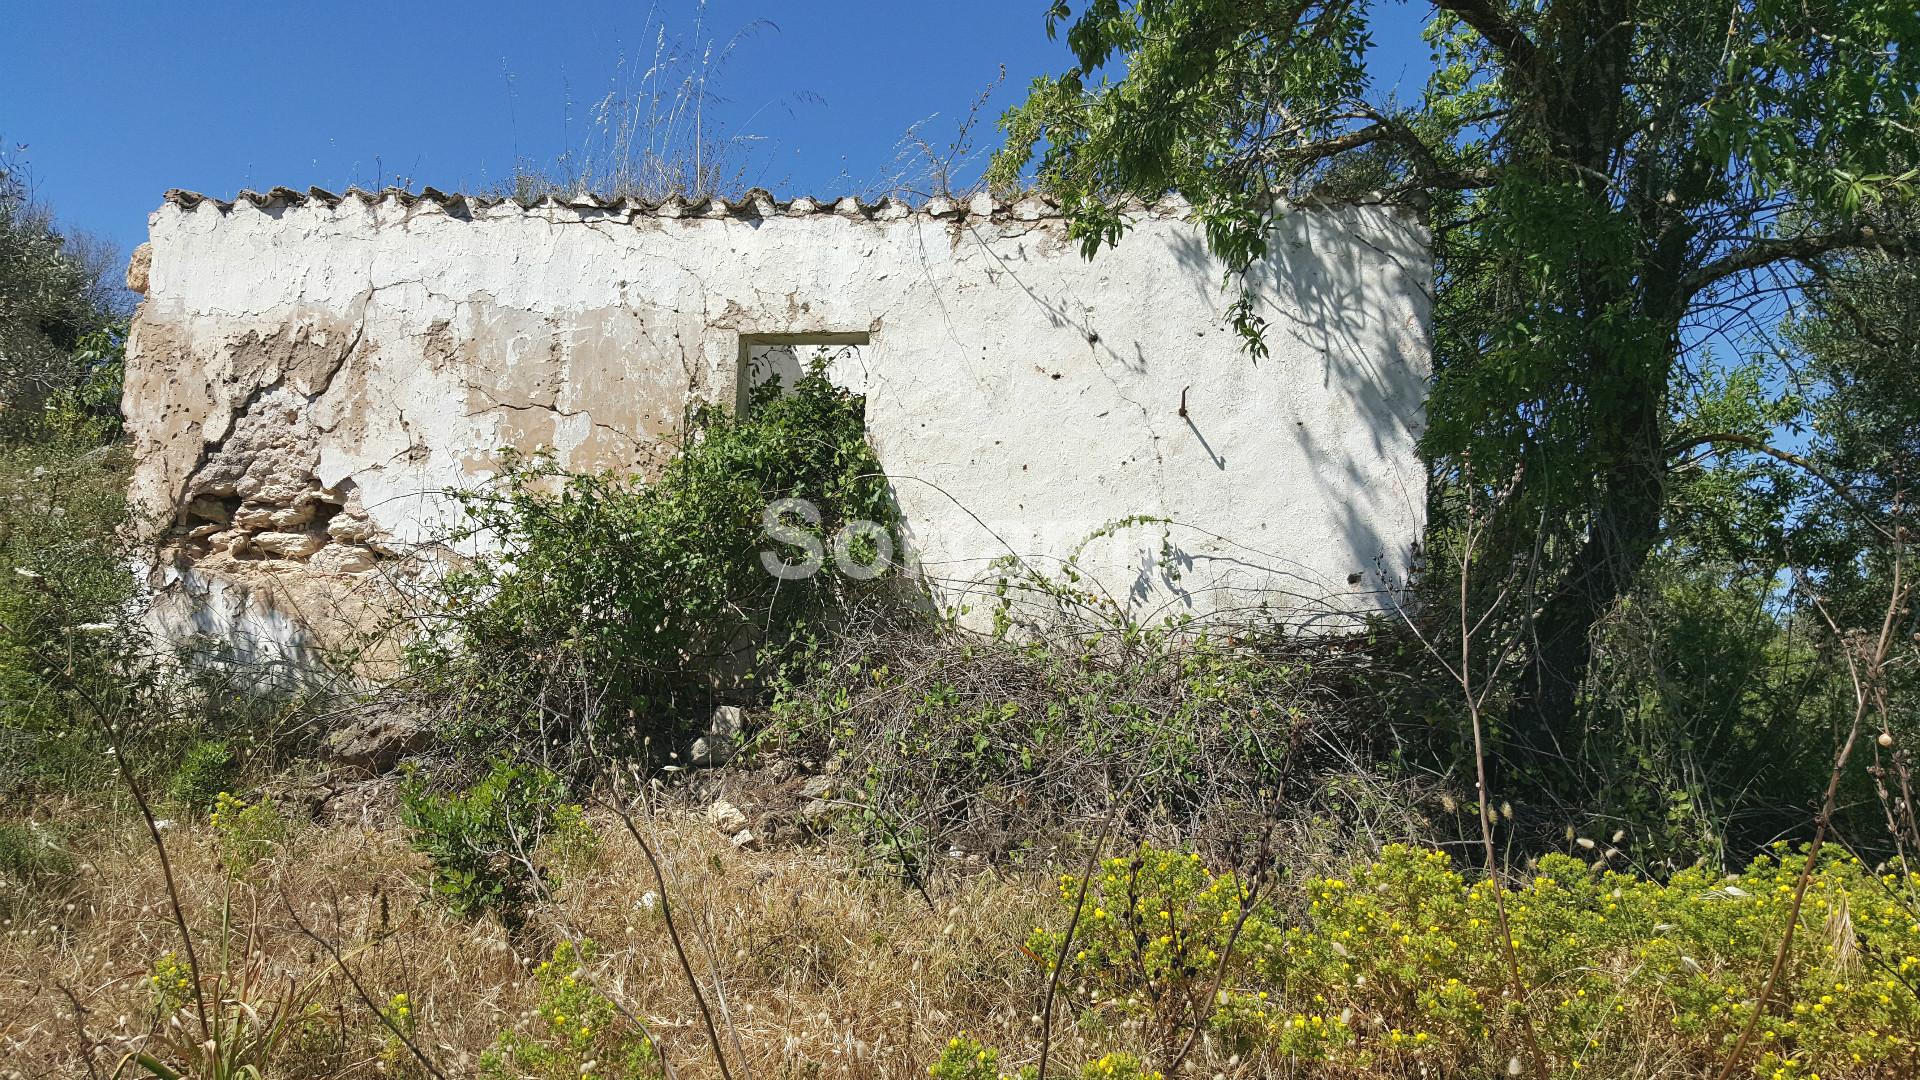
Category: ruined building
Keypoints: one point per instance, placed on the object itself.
(309, 375)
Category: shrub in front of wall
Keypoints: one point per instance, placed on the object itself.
(204, 774)
(610, 605)
(484, 844)
(949, 740)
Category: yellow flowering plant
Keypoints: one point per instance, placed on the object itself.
(1151, 933)
(1608, 958)
(1117, 1067)
(172, 983)
(247, 832)
(578, 1033)
(395, 1058)
(1397, 967)
(964, 1058)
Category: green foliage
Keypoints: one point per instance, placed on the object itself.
(579, 1035)
(65, 588)
(1399, 966)
(65, 592)
(485, 844)
(1202, 79)
(611, 604)
(1715, 707)
(86, 409)
(1859, 333)
(59, 332)
(205, 774)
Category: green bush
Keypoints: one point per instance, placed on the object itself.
(610, 605)
(67, 646)
(1711, 729)
(60, 327)
(485, 844)
(1398, 968)
(579, 1034)
(204, 774)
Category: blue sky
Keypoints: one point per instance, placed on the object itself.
(117, 102)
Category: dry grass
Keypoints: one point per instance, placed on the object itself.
(827, 968)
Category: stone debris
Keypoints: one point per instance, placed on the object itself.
(819, 793)
(726, 817)
(375, 745)
(721, 741)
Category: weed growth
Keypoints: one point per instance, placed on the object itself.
(485, 844)
(579, 1033)
(205, 773)
(949, 740)
(247, 832)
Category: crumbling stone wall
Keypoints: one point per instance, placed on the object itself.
(309, 375)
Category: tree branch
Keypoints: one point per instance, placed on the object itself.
(1428, 172)
(1489, 23)
(1804, 249)
(1745, 442)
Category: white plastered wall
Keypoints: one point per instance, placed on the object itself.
(307, 378)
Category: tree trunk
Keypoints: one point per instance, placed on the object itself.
(1542, 724)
